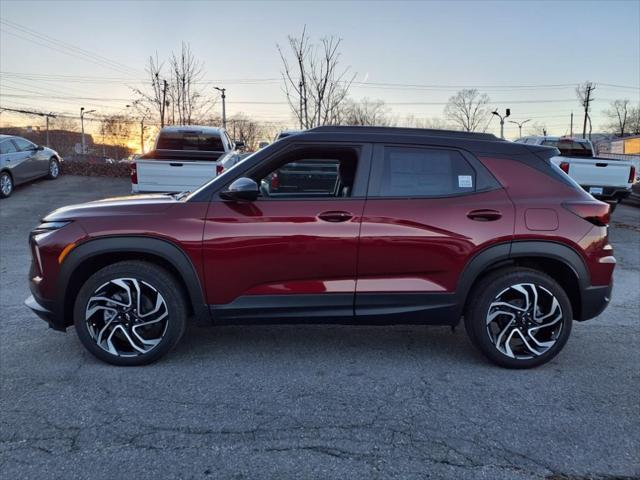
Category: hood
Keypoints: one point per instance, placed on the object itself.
(128, 205)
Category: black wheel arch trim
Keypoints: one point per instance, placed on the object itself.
(165, 249)
(495, 255)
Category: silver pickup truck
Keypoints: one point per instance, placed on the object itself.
(606, 179)
(183, 159)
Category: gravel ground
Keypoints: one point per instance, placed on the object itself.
(312, 401)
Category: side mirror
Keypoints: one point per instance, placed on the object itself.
(242, 189)
(39, 147)
(239, 144)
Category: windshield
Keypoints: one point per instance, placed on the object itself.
(570, 148)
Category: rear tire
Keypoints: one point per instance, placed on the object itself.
(6, 184)
(54, 169)
(518, 317)
(130, 313)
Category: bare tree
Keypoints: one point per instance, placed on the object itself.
(314, 82)
(247, 130)
(634, 120)
(176, 96)
(467, 110)
(64, 123)
(618, 116)
(364, 112)
(436, 123)
(538, 129)
(117, 131)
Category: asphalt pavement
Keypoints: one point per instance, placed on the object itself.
(312, 401)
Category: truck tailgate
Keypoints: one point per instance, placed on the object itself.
(173, 175)
(597, 171)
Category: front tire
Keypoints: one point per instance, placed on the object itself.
(6, 184)
(54, 169)
(518, 317)
(130, 313)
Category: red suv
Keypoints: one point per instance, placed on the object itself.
(417, 226)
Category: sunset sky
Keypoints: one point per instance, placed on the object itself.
(528, 56)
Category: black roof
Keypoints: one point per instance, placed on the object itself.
(431, 132)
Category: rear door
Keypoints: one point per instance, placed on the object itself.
(428, 211)
(291, 254)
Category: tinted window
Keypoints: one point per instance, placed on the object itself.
(423, 172)
(190, 140)
(23, 144)
(7, 147)
(570, 148)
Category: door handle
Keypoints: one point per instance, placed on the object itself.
(175, 164)
(484, 215)
(335, 217)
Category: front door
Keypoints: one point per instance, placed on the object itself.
(292, 253)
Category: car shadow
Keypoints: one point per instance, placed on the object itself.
(284, 342)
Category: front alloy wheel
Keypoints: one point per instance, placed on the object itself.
(518, 317)
(6, 185)
(126, 317)
(130, 313)
(54, 169)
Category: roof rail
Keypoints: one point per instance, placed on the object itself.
(406, 131)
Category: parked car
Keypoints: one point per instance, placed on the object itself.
(606, 179)
(22, 161)
(424, 226)
(184, 158)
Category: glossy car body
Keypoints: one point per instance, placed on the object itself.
(360, 257)
(24, 160)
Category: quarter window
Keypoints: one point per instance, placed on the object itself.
(422, 172)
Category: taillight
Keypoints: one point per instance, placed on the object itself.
(632, 175)
(594, 212)
(564, 166)
(219, 169)
(275, 181)
(134, 173)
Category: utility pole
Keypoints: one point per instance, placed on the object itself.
(164, 102)
(571, 129)
(495, 112)
(300, 90)
(520, 124)
(589, 87)
(82, 114)
(224, 107)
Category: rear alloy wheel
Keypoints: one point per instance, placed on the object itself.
(130, 313)
(54, 169)
(6, 185)
(519, 318)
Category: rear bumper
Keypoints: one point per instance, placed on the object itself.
(44, 311)
(594, 300)
(610, 193)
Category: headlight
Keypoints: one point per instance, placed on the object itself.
(48, 227)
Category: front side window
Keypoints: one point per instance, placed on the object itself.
(24, 145)
(422, 172)
(310, 174)
(7, 147)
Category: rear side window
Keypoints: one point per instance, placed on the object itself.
(7, 147)
(190, 140)
(422, 172)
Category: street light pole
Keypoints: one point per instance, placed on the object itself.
(224, 110)
(82, 114)
(495, 112)
(520, 124)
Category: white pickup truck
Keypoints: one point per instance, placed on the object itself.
(606, 179)
(184, 158)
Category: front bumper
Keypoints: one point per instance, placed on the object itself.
(45, 312)
(594, 300)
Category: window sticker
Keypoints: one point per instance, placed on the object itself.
(465, 181)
